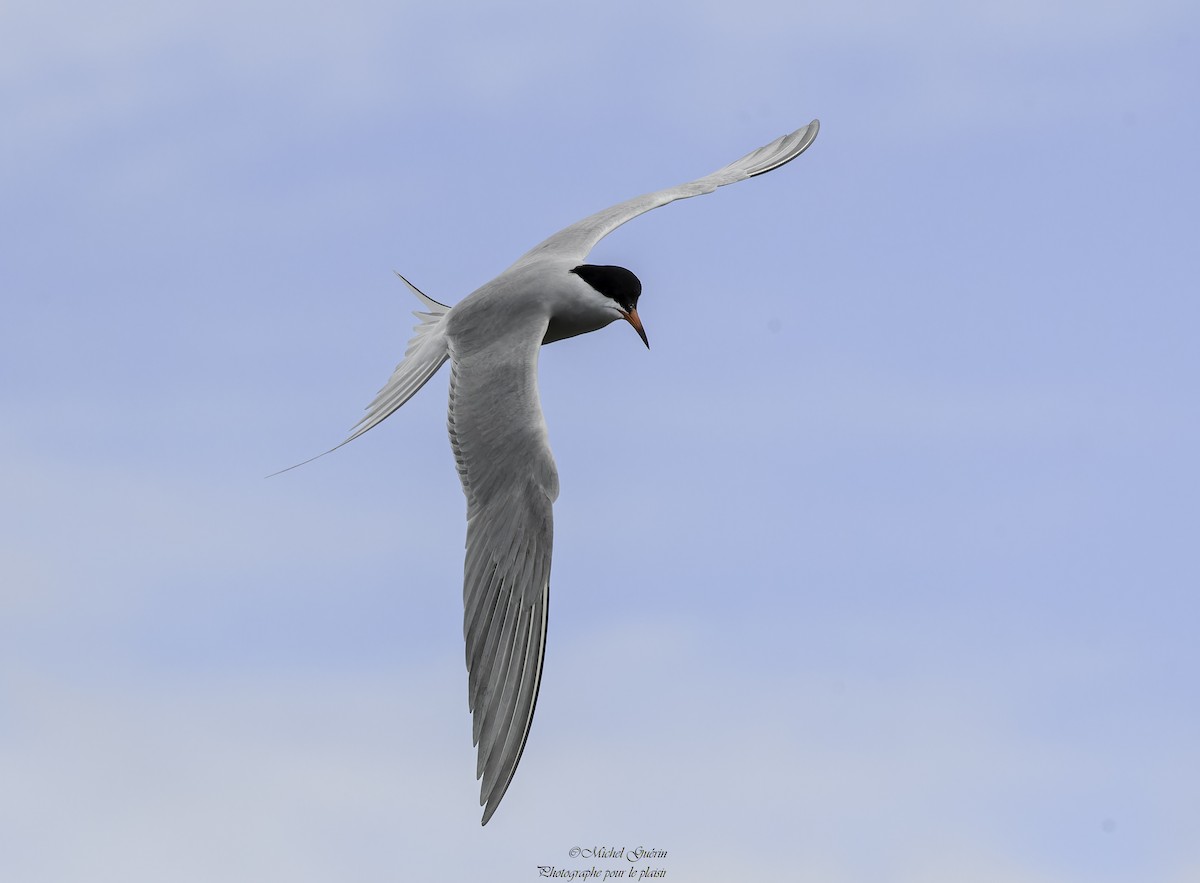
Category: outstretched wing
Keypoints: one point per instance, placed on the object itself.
(508, 475)
(576, 241)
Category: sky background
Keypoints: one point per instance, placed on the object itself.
(880, 566)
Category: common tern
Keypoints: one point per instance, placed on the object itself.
(491, 339)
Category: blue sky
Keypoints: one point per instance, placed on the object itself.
(880, 565)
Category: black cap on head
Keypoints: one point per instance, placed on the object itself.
(615, 282)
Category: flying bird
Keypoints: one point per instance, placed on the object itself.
(491, 339)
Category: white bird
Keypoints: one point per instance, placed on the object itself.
(498, 434)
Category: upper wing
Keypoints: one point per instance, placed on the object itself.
(508, 475)
(581, 237)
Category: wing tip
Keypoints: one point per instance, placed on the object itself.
(804, 136)
(491, 794)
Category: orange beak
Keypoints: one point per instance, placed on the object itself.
(636, 321)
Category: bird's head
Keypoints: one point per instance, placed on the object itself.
(621, 287)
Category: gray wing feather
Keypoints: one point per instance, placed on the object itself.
(508, 476)
(580, 238)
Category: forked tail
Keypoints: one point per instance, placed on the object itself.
(426, 353)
